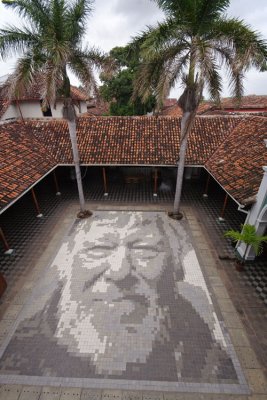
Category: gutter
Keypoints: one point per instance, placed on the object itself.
(25, 191)
(239, 204)
(240, 208)
(118, 165)
(131, 165)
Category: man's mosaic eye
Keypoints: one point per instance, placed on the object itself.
(145, 253)
(97, 253)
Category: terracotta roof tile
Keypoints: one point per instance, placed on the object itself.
(33, 93)
(133, 140)
(169, 102)
(250, 102)
(97, 107)
(3, 106)
(175, 111)
(237, 163)
(78, 94)
(22, 161)
(230, 147)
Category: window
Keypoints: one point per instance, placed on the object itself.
(46, 110)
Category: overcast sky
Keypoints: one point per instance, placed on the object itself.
(114, 22)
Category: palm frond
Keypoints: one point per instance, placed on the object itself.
(36, 11)
(196, 14)
(170, 74)
(249, 48)
(236, 85)
(76, 17)
(248, 235)
(209, 70)
(22, 77)
(50, 80)
(83, 69)
(209, 10)
(14, 41)
(96, 56)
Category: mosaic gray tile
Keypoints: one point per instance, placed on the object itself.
(123, 302)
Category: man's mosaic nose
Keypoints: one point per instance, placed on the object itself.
(120, 263)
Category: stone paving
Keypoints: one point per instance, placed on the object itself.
(51, 230)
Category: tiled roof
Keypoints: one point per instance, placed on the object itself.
(97, 107)
(133, 140)
(3, 106)
(33, 93)
(169, 102)
(29, 151)
(22, 161)
(78, 94)
(237, 163)
(175, 111)
(250, 102)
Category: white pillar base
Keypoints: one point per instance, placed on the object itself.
(39, 215)
(58, 194)
(221, 219)
(8, 252)
(105, 194)
(155, 194)
(241, 248)
(205, 195)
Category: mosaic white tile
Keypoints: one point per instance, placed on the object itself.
(125, 301)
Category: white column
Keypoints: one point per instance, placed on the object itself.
(253, 216)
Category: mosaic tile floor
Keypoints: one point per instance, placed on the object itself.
(25, 233)
(124, 300)
(22, 227)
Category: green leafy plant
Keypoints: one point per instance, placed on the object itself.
(117, 88)
(248, 235)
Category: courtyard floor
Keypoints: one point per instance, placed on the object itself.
(222, 326)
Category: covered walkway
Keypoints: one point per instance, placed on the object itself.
(21, 226)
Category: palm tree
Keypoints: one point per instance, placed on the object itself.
(190, 46)
(48, 46)
(248, 235)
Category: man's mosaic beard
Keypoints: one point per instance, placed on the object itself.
(108, 351)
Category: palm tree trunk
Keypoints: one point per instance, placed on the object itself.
(187, 121)
(73, 138)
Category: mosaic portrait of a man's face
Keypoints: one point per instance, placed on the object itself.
(124, 298)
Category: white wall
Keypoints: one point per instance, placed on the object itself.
(10, 113)
(83, 107)
(32, 109)
(256, 216)
(57, 113)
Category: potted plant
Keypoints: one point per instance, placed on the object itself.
(248, 235)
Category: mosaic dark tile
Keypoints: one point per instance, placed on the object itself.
(124, 299)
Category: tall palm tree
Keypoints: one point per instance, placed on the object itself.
(191, 46)
(49, 44)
